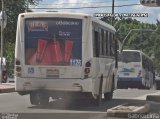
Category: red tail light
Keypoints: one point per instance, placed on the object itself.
(18, 62)
(87, 69)
(88, 64)
(139, 73)
(18, 68)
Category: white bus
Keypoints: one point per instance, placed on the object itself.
(135, 70)
(60, 54)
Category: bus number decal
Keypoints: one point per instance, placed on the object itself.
(75, 62)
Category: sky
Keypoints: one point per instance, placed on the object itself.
(104, 7)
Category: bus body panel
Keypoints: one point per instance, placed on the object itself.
(52, 72)
(75, 85)
(100, 66)
(62, 77)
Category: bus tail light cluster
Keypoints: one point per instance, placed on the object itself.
(139, 73)
(18, 68)
(87, 69)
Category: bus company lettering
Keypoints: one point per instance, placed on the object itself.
(71, 23)
(37, 26)
(61, 33)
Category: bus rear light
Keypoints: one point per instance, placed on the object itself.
(88, 64)
(18, 62)
(18, 74)
(139, 73)
(18, 68)
(87, 70)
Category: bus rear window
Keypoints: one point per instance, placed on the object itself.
(127, 56)
(53, 41)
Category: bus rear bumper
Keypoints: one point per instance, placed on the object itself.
(124, 83)
(70, 85)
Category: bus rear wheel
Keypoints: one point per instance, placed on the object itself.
(39, 98)
(109, 95)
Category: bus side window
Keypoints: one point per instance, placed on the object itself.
(112, 44)
(143, 62)
(107, 43)
(102, 42)
(96, 44)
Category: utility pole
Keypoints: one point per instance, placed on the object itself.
(115, 37)
(2, 28)
(112, 12)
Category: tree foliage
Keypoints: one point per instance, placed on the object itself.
(148, 42)
(13, 8)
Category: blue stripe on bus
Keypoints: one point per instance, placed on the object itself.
(129, 79)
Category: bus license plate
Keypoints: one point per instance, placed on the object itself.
(126, 74)
(52, 73)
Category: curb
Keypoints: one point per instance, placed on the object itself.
(8, 90)
(155, 98)
(123, 111)
(7, 87)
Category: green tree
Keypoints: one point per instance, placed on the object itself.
(148, 42)
(13, 8)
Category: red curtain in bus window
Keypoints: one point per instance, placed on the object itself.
(68, 50)
(56, 52)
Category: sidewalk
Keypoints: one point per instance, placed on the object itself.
(7, 87)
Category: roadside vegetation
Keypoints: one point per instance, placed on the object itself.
(148, 42)
(12, 9)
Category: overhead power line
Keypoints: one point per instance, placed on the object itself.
(89, 7)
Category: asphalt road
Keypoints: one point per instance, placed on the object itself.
(62, 109)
